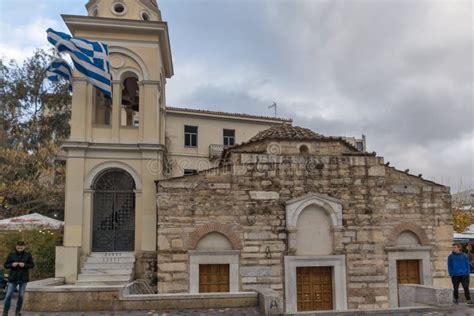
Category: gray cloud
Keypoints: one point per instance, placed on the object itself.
(400, 72)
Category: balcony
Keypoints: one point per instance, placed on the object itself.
(215, 150)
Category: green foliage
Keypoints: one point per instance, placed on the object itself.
(34, 122)
(40, 243)
(461, 220)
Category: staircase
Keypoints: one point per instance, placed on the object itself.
(107, 269)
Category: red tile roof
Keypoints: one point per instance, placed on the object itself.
(229, 114)
(286, 131)
(289, 132)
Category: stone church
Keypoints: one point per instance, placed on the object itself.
(196, 201)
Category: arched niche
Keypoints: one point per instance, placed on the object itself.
(213, 228)
(405, 228)
(319, 207)
(214, 241)
(408, 238)
(313, 232)
(407, 241)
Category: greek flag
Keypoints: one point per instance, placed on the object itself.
(90, 58)
(60, 68)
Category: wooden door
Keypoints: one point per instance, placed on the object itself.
(213, 278)
(408, 272)
(314, 288)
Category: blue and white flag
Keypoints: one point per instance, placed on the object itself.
(90, 58)
(60, 68)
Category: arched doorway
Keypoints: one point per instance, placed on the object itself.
(113, 212)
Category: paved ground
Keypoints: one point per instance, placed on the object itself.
(456, 311)
(200, 312)
(460, 310)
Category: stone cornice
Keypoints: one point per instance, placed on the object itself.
(112, 146)
(100, 24)
(149, 82)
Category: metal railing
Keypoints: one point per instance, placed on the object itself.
(215, 150)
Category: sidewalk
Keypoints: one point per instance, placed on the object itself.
(460, 310)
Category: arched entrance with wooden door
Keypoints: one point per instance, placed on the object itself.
(113, 211)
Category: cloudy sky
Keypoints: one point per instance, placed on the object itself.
(400, 72)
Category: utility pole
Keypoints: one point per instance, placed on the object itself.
(274, 105)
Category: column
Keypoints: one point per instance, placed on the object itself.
(116, 109)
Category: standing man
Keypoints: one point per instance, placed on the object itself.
(459, 269)
(19, 262)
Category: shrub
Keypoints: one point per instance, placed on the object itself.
(40, 243)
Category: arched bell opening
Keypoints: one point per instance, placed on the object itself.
(130, 100)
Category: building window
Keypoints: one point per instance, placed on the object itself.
(95, 11)
(229, 137)
(119, 8)
(103, 108)
(145, 16)
(304, 150)
(190, 172)
(190, 136)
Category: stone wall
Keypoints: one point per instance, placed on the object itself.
(249, 198)
(146, 266)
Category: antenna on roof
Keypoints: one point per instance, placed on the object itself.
(274, 105)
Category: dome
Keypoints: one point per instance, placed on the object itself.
(286, 131)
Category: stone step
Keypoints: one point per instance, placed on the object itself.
(105, 277)
(107, 271)
(107, 265)
(109, 259)
(104, 283)
(112, 254)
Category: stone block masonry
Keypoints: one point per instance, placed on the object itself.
(378, 203)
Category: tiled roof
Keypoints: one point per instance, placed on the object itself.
(286, 131)
(289, 132)
(229, 114)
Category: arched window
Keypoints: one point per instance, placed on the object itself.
(304, 150)
(119, 8)
(102, 108)
(145, 16)
(94, 12)
(130, 101)
(114, 180)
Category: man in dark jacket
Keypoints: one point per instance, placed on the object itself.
(458, 268)
(19, 262)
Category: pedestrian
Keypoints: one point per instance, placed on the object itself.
(458, 268)
(19, 262)
(470, 255)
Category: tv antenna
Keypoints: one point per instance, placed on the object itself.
(274, 105)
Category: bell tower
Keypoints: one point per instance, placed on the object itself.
(146, 10)
(122, 137)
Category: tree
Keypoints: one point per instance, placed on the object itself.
(35, 120)
(461, 220)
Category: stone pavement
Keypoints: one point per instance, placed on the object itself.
(191, 312)
(461, 310)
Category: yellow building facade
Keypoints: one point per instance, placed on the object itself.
(118, 148)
